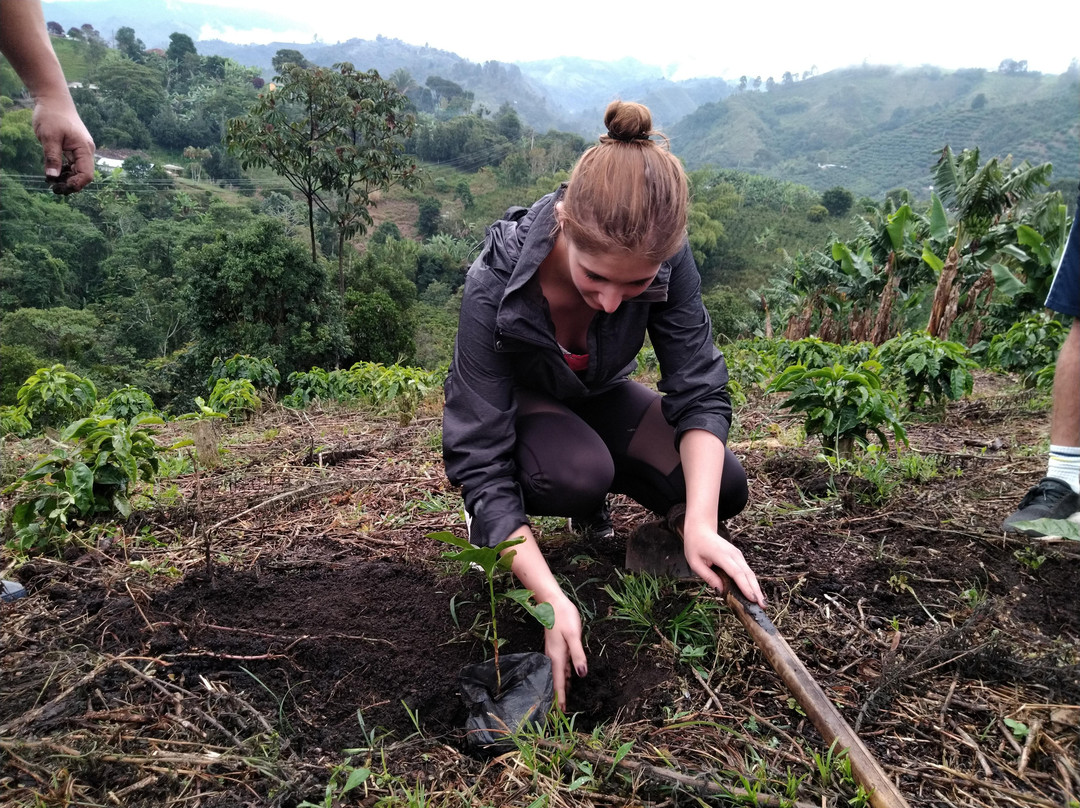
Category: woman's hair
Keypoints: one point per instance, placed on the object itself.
(628, 192)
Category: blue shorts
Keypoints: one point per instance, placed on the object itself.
(1064, 294)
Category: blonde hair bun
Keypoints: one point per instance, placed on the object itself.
(627, 121)
(628, 193)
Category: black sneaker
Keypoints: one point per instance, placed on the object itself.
(595, 526)
(1050, 499)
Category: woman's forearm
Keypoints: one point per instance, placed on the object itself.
(531, 569)
(702, 456)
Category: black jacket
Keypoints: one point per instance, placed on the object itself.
(506, 339)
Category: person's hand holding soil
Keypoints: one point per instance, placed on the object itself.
(25, 41)
(562, 644)
(61, 131)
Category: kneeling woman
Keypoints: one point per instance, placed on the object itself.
(541, 417)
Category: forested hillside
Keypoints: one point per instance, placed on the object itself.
(492, 83)
(201, 246)
(872, 129)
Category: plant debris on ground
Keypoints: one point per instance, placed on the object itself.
(281, 630)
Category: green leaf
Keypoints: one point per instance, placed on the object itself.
(1052, 527)
(542, 612)
(932, 260)
(939, 222)
(1006, 282)
(1019, 728)
(503, 546)
(483, 557)
(120, 502)
(1029, 236)
(1013, 251)
(897, 222)
(80, 479)
(449, 538)
(22, 515)
(356, 777)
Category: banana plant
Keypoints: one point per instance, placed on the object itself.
(984, 200)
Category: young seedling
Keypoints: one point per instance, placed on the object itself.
(491, 559)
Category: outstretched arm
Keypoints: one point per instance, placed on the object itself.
(702, 456)
(24, 40)
(562, 644)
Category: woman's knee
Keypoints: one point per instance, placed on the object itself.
(564, 469)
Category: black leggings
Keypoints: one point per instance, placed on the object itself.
(570, 457)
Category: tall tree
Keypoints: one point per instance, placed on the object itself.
(127, 43)
(287, 56)
(254, 291)
(337, 136)
(837, 200)
(180, 45)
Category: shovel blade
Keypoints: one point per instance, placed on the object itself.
(658, 550)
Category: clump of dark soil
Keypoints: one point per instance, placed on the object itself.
(324, 641)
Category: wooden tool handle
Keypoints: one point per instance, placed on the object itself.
(819, 708)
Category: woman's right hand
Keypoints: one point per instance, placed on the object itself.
(562, 645)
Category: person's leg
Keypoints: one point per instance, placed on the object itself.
(642, 445)
(564, 468)
(1064, 461)
(1057, 495)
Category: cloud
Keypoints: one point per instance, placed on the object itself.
(253, 36)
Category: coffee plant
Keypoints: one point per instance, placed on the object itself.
(371, 383)
(13, 421)
(236, 398)
(260, 372)
(126, 402)
(54, 395)
(810, 352)
(751, 363)
(490, 560)
(927, 368)
(91, 473)
(842, 406)
(1029, 346)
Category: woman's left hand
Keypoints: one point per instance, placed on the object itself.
(705, 548)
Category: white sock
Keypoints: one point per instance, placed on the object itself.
(1064, 465)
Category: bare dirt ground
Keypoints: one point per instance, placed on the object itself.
(136, 674)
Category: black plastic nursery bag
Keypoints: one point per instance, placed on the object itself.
(528, 691)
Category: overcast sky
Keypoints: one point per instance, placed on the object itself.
(688, 37)
(696, 37)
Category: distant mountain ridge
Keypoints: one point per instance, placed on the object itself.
(493, 83)
(584, 87)
(869, 129)
(566, 94)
